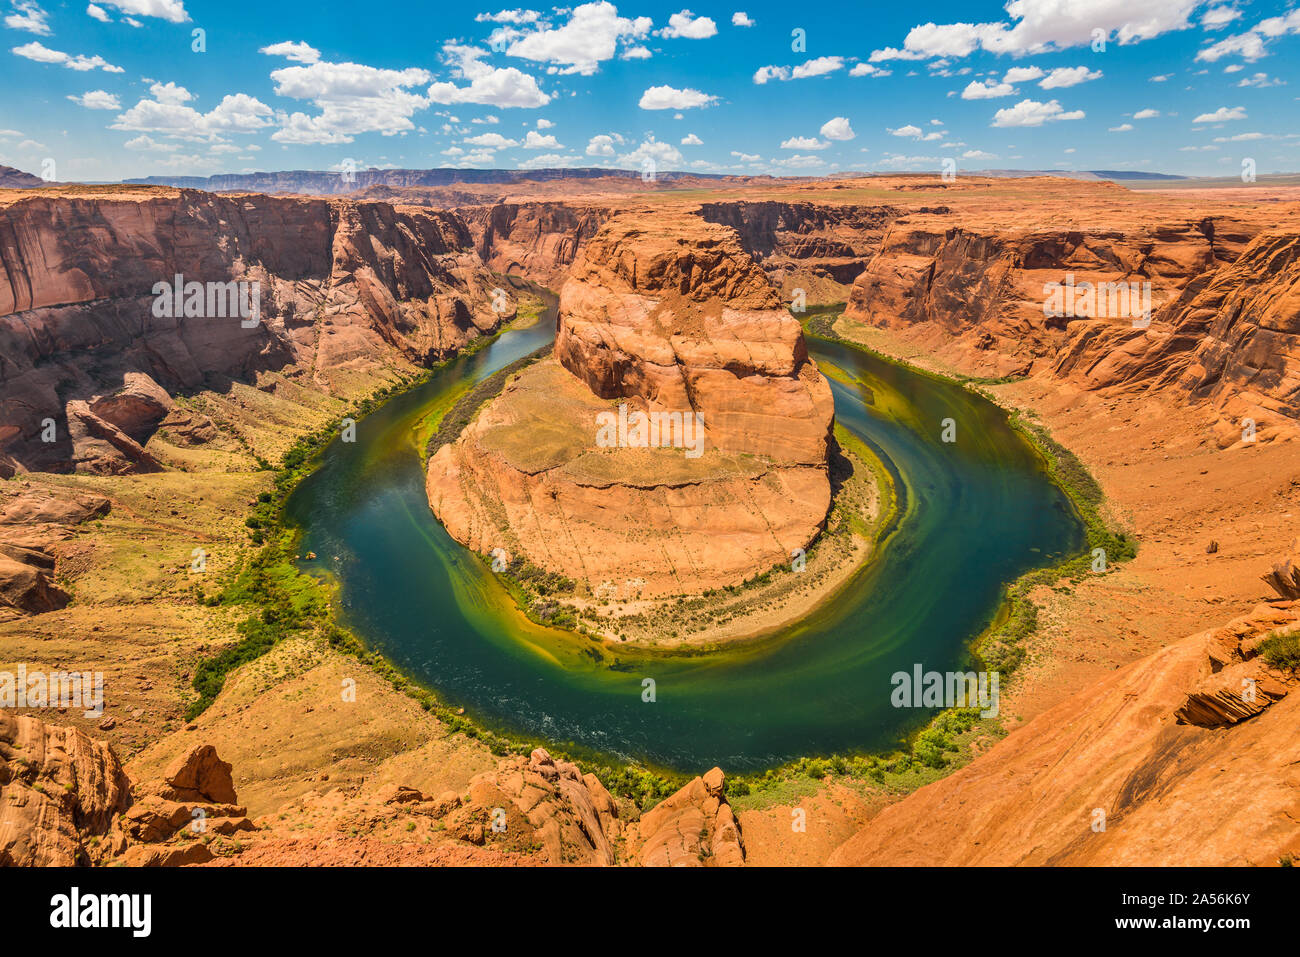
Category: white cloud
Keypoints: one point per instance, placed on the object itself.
(765, 73)
(1252, 44)
(352, 99)
(1146, 114)
(293, 50)
(539, 141)
(148, 144)
(817, 67)
(1222, 115)
(43, 54)
(590, 36)
(687, 26)
(98, 13)
(1122, 128)
(488, 86)
(803, 143)
(509, 16)
(167, 113)
(601, 145)
(1160, 78)
(1033, 113)
(551, 161)
(29, 16)
(653, 153)
(868, 69)
(915, 132)
(172, 11)
(1041, 25)
(691, 139)
(1217, 18)
(746, 157)
(493, 141)
(635, 53)
(97, 100)
(799, 162)
(741, 19)
(976, 90)
(1067, 76)
(1261, 80)
(978, 154)
(669, 98)
(1022, 74)
(838, 128)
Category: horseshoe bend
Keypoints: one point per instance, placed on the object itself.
(753, 513)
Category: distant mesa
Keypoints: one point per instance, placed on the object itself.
(11, 178)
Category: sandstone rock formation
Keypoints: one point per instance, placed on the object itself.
(669, 316)
(537, 240)
(87, 369)
(693, 828)
(1161, 753)
(32, 526)
(60, 792)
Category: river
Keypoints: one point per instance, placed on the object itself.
(977, 513)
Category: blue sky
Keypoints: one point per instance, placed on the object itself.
(116, 89)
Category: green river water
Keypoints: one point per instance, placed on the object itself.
(974, 515)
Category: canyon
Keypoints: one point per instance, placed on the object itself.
(667, 301)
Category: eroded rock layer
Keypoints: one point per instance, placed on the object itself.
(662, 317)
(89, 366)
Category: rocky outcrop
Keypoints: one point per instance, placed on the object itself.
(693, 828)
(1231, 338)
(89, 359)
(33, 524)
(1186, 757)
(1285, 576)
(60, 792)
(982, 289)
(665, 318)
(11, 178)
(538, 241)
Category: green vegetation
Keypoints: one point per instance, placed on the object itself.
(1281, 649)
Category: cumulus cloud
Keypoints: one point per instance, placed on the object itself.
(352, 99)
(30, 17)
(172, 11)
(818, 66)
(1122, 128)
(148, 144)
(1222, 115)
(488, 86)
(690, 139)
(1033, 113)
(1216, 18)
(1022, 74)
(293, 50)
(741, 19)
(97, 100)
(1067, 76)
(838, 128)
(1037, 26)
(1252, 44)
(493, 141)
(868, 69)
(43, 54)
(977, 90)
(803, 143)
(167, 113)
(98, 13)
(687, 26)
(590, 36)
(602, 145)
(509, 16)
(670, 98)
(653, 154)
(539, 141)
(1146, 114)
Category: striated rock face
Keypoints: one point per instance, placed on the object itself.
(539, 241)
(981, 290)
(1190, 763)
(1232, 338)
(87, 370)
(58, 790)
(669, 316)
(693, 828)
(32, 526)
